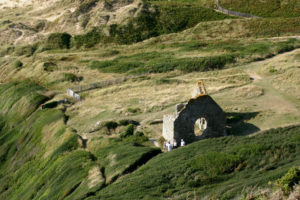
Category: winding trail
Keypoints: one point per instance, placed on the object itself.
(284, 106)
(233, 13)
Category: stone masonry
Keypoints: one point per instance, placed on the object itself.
(202, 111)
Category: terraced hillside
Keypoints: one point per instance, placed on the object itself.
(131, 62)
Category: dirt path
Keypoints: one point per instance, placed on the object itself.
(285, 107)
(232, 13)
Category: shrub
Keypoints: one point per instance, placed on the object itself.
(27, 50)
(134, 110)
(273, 70)
(139, 134)
(72, 77)
(49, 66)
(7, 50)
(87, 40)
(18, 64)
(138, 138)
(129, 130)
(111, 125)
(291, 178)
(125, 122)
(58, 41)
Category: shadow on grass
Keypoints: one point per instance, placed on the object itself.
(237, 126)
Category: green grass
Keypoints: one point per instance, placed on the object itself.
(145, 63)
(268, 8)
(120, 158)
(200, 167)
(219, 167)
(25, 173)
(230, 50)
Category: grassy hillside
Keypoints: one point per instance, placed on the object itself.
(145, 57)
(228, 52)
(219, 168)
(268, 8)
(41, 158)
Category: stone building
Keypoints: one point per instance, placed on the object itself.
(201, 117)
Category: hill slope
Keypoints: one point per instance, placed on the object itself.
(131, 62)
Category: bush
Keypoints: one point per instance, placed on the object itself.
(291, 178)
(27, 50)
(88, 40)
(111, 125)
(139, 134)
(134, 110)
(129, 130)
(125, 122)
(58, 41)
(138, 138)
(72, 77)
(49, 66)
(18, 64)
(7, 50)
(273, 70)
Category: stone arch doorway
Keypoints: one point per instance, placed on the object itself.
(198, 108)
(200, 126)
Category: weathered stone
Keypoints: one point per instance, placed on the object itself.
(202, 111)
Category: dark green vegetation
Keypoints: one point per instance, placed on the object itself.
(199, 166)
(232, 50)
(43, 159)
(268, 8)
(287, 182)
(72, 77)
(27, 50)
(167, 17)
(58, 41)
(18, 64)
(40, 158)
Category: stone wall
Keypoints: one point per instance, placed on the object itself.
(181, 124)
(168, 127)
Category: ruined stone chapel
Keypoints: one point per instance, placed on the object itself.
(201, 117)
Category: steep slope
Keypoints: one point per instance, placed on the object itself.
(41, 157)
(35, 21)
(215, 168)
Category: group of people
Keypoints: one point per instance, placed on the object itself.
(168, 146)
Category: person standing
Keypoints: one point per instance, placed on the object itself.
(169, 146)
(182, 143)
(174, 144)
